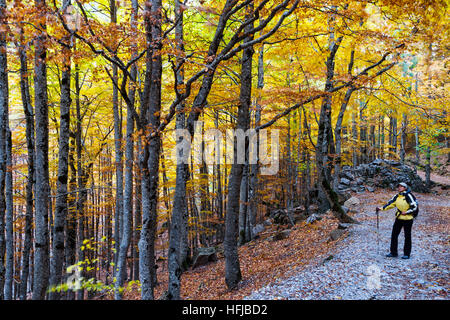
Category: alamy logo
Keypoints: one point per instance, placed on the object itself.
(220, 148)
(74, 281)
(374, 277)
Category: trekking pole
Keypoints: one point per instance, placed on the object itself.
(378, 232)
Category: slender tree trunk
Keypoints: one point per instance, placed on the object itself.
(243, 201)
(82, 177)
(254, 167)
(205, 205)
(4, 110)
(355, 141)
(41, 255)
(403, 138)
(128, 191)
(9, 219)
(382, 155)
(29, 120)
(61, 184)
(372, 146)
(363, 131)
(338, 137)
(152, 146)
(306, 158)
(219, 188)
(118, 151)
(178, 228)
(428, 168)
(393, 134)
(417, 148)
(137, 213)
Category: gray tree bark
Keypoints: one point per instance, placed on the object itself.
(151, 155)
(338, 137)
(232, 266)
(178, 227)
(4, 109)
(118, 153)
(325, 128)
(62, 178)
(254, 168)
(325, 145)
(41, 253)
(29, 123)
(9, 219)
(403, 138)
(338, 127)
(428, 167)
(128, 188)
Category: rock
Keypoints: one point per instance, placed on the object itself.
(203, 256)
(381, 173)
(342, 188)
(280, 216)
(343, 226)
(370, 189)
(352, 203)
(280, 235)
(347, 174)
(258, 229)
(361, 189)
(312, 218)
(336, 234)
(377, 162)
(343, 196)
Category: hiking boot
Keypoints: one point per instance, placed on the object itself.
(390, 255)
(405, 257)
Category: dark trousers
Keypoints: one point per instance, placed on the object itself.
(398, 225)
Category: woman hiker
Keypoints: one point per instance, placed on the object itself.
(407, 209)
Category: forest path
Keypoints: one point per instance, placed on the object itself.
(358, 269)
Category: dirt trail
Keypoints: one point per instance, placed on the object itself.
(435, 177)
(358, 269)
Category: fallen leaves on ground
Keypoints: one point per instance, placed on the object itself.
(262, 262)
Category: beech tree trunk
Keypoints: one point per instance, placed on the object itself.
(254, 167)
(325, 141)
(232, 266)
(41, 252)
(118, 153)
(325, 129)
(338, 136)
(4, 110)
(29, 123)
(9, 219)
(178, 245)
(61, 184)
(128, 188)
(403, 138)
(151, 155)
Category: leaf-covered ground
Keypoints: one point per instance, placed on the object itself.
(307, 265)
(359, 269)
